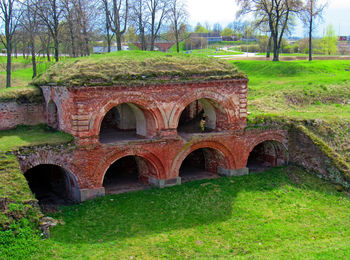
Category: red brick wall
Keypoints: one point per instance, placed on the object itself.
(82, 109)
(13, 114)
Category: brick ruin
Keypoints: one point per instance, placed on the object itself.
(133, 137)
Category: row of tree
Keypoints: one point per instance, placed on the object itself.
(278, 16)
(45, 25)
(42, 25)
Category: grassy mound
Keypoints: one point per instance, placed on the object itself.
(136, 68)
(281, 212)
(29, 94)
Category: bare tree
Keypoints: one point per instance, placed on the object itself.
(29, 22)
(158, 11)
(177, 15)
(10, 15)
(139, 17)
(69, 16)
(118, 17)
(277, 14)
(84, 17)
(50, 13)
(309, 14)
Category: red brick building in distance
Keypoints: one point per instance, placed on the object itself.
(159, 126)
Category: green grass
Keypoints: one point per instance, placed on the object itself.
(281, 213)
(317, 91)
(30, 136)
(135, 68)
(22, 94)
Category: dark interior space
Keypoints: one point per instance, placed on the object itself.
(266, 155)
(194, 167)
(122, 176)
(193, 119)
(116, 127)
(51, 185)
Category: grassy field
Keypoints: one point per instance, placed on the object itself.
(281, 213)
(317, 93)
(30, 136)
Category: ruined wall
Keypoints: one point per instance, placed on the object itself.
(304, 152)
(13, 114)
(82, 109)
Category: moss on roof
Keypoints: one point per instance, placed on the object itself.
(28, 94)
(136, 68)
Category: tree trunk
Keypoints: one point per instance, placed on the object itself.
(48, 53)
(269, 47)
(275, 49)
(32, 47)
(9, 63)
(119, 41)
(56, 48)
(310, 40)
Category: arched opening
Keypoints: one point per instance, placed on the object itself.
(52, 185)
(52, 115)
(201, 116)
(128, 174)
(126, 121)
(267, 154)
(202, 163)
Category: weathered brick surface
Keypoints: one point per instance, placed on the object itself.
(81, 110)
(90, 163)
(13, 114)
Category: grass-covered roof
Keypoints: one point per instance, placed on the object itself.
(136, 68)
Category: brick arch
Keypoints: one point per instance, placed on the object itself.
(268, 136)
(155, 117)
(229, 163)
(214, 97)
(274, 136)
(73, 179)
(110, 159)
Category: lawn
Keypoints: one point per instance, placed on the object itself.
(315, 93)
(30, 136)
(281, 213)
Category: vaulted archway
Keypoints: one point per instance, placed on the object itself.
(202, 115)
(126, 121)
(267, 154)
(127, 174)
(52, 185)
(201, 163)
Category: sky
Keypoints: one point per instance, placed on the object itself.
(337, 13)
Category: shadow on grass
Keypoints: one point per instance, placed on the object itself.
(117, 217)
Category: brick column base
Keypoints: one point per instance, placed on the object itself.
(88, 194)
(233, 172)
(164, 183)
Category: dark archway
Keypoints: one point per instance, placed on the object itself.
(52, 115)
(267, 154)
(202, 163)
(199, 116)
(127, 174)
(126, 121)
(52, 185)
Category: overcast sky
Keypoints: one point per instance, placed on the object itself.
(224, 12)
